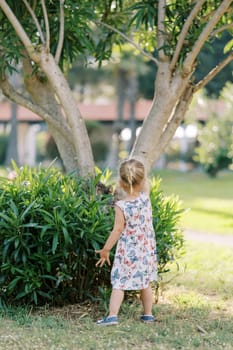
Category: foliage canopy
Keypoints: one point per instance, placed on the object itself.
(93, 27)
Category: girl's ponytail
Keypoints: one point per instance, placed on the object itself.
(132, 172)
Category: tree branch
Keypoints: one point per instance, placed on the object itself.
(184, 32)
(176, 118)
(61, 32)
(130, 41)
(39, 89)
(46, 25)
(221, 29)
(19, 30)
(206, 18)
(34, 5)
(188, 63)
(22, 100)
(32, 13)
(213, 72)
(161, 29)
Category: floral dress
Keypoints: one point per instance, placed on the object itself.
(135, 264)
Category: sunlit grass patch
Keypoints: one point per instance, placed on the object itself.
(205, 268)
(3, 171)
(185, 321)
(195, 310)
(210, 201)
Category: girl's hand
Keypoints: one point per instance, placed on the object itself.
(104, 256)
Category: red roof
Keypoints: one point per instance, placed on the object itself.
(23, 114)
(91, 111)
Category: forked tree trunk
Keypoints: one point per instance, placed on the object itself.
(169, 92)
(173, 91)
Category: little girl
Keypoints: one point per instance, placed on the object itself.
(134, 265)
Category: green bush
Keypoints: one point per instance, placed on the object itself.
(50, 226)
(215, 150)
(167, 212)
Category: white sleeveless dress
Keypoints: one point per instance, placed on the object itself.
(135, 263)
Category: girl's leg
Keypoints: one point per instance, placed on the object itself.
(116, 299)
(147, 300)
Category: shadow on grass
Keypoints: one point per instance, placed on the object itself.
(186, 321)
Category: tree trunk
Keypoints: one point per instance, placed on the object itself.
(168, 93)
(42, 93)
(72, 116)
(65, 149)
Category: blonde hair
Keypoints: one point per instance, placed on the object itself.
(132, 173)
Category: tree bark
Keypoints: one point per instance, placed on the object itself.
(42, 95)
(168, 92)
(65, 149)
(71, 112)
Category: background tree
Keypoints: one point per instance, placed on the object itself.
(210, 55)
(215, 149)
(49, 37)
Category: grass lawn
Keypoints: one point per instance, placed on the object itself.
(195, 311)
(210, 201)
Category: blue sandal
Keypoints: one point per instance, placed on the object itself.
(147, 318)
(108, 321)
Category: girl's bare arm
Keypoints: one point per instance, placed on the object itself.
(118, 227)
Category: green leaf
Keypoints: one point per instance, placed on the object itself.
(55, 243)
(66, 235)
(13, 283)
(228, 47)
(24, 213)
